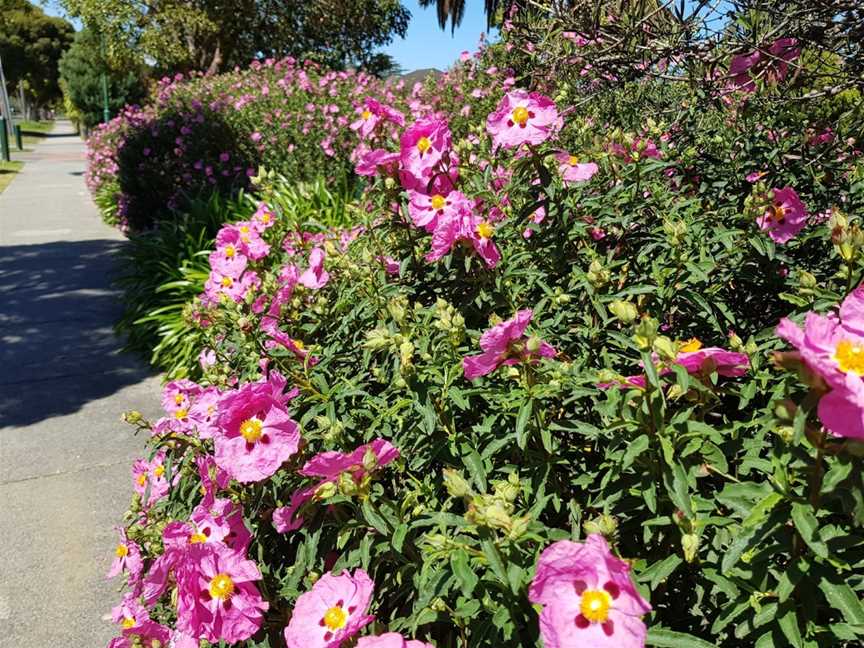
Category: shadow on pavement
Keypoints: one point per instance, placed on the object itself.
(57, 345)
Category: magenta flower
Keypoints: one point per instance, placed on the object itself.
(697, 361)
(377, 161)
(204, 412)
(588, 597)
(333, 611)
(330, 466)
(130, 614)
(150, 474)
(770, 64)
(371, 114)
(264, 218)
(785, 217)
(127, 557)
(228, 260)
(422, 148)
(315, 276)
(390, 640)
(523, 117)
(427, 210)
(832, 349)
(256, 433)
(235, 289)
(572, 170)
(506, 344)
(179, 395)
(216, 595)
(464, 226)
(213, 478)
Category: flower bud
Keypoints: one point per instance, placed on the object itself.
(326, 490)
(806, 279)
(455, 484)
(690, 545)
(519, 526)
(533, 344)
(665, 348)
(625, 311)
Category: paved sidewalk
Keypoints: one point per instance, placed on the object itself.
(64, 454)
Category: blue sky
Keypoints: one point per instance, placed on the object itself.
(427, 45)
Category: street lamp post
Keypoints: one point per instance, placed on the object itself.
(106, 112)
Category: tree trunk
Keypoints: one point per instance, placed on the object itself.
(216, 61)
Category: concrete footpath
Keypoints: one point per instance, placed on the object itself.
(64, 454)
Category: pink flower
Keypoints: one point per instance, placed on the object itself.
(832, 349)
(697, 361)
(150, 475)
(330, 466)
(523, 118)
(588, 597)
(572, 170)
(377, 161)
(372, 114)
(506, 344)
(464, 226)
(235, 289)
(127, 557)
(332, 612)
(246, 236)
(256, 433)
(213, 478)
(130, 614)
(391, 640)
(427, 211)
(315, 276)
(755, 176)
(216, 595)
(228, 260)
(770, 64)
(785, 217)
(204, 412)
(264, 218)
(422, 148)
(391, 265)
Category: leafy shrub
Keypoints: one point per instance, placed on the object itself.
(632, 272)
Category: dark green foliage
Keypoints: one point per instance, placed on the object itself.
(81, 71)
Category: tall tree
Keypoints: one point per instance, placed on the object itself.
(81, 70)
(31, 44)
(213, 35)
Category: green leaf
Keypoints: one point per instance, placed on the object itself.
(762, 509)
(634, 449)
(808, 527)
(663, 638)
(375, 519)
(788, 621)
(461, 566)
(398, 538)
(843, 598)
(493, 557)
(521, 422)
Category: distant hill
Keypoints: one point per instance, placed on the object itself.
(417, 75)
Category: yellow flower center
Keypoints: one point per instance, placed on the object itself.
(178, 398)
(244, 229)
(181, 414)
(777, 213)
(438, 202)
(221, 586)
(595, 605)
(485, 230)
(850, 357)
(423, 144)
(690, 346)
(245, 238)
(520, 115)
(158, 471)
(197, 538)
(122, 550)
(128, 622)
(335, 618)
(573, 160)
(142, 479)
(366, 114)
(299, 344)
(229, 252)
(227, 282)
(250, 429)
(265, 218)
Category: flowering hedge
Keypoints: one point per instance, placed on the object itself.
(569, 378)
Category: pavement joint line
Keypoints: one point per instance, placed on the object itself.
(63, 472)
